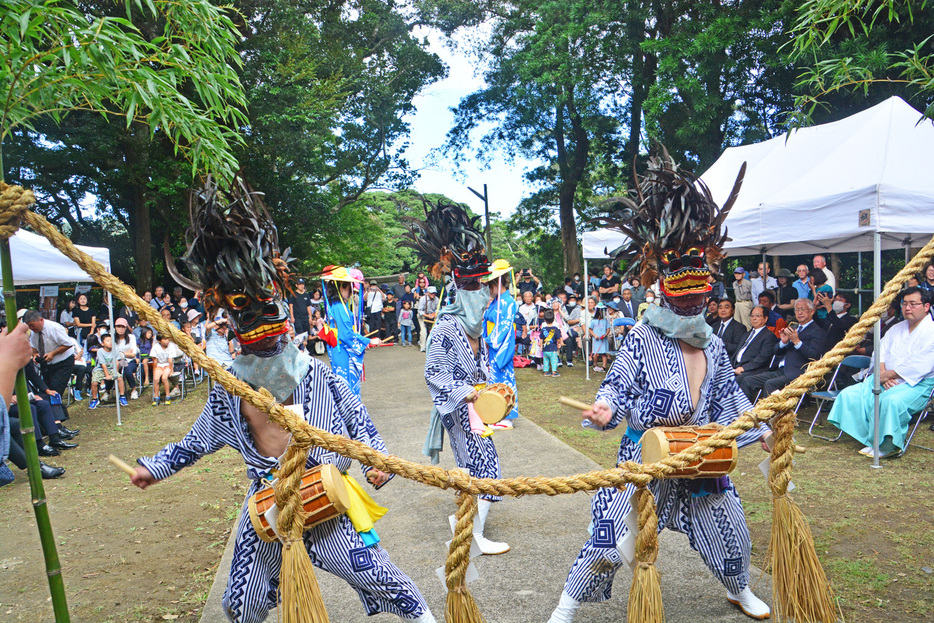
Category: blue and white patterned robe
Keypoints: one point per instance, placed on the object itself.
(347, 356)
(500, 335)
(333, 545)
(451, 371)
(648, 386)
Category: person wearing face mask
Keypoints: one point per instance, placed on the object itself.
(838, 320)
(649, 300)
(457, 366)
(572, 313)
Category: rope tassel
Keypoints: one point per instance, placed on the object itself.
(301, 595)
(460, 606)
(800, 590)
(645, 596)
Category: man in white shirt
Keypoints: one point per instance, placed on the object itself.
(820, 262)
(373, 300)
(762, 282)
(51, 343)
(907, 376)
(756, 350)
(427, 314)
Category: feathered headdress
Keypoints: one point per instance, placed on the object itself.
(671, 220)
(233, 246)
(447, 241)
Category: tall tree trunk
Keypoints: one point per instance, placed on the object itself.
(139, 214)
(571, 166)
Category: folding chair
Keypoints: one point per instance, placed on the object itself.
(859, 362)
(922, 415)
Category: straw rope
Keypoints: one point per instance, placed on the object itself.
(645, 595)
(460, 606)
(14, 200)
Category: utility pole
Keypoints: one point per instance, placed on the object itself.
(486, 212)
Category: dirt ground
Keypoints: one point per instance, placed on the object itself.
(100, 523)
(873, 529)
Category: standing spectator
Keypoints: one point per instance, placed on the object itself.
(125, 343)
(80, 370)
(803, 283)
(599, 335)
(763, 281)
(317, 302)
(373, 302)
(551, 343)
(169, 305)
(528, 283)
(131, 317)
(54, 348)
(572, 316)
(85, 320)
(406, 322)
(638, 291)
(157, 299)
(527, 308)
(390, 319)
(109, 367)
(609, 285)
(821, 263)
(421, 285)
(578, 286)
(67, 317)
(593, 283)
(731, 332)
(195, 302)
(427, 314)
(742, 289)
(398, 289)
(300, 308)
(787, 293)
(177, 295)
(568, 286)
(820, 290)
(219, 343)
(717, 289)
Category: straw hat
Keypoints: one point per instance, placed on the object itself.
(497, 269)
(339, 273)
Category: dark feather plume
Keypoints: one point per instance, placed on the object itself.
(446, 239)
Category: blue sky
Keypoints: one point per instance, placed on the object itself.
(430, 124)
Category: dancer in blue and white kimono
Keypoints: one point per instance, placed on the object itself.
(347, 347)
(234, 225)
(670, 371)
(457, 364)
(500, 333)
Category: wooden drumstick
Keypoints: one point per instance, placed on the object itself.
(577, 404)
(122, 465)
(371, 333)
(387, 340)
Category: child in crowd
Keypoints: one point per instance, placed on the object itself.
(109, 367)
(163, 354)
(551, 341)
(406, 322)
(145, 346)
(599, 330)
(314, 344)
(390, 327)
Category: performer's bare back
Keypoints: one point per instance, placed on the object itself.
(270, 439)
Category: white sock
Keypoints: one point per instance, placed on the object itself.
(567, 607)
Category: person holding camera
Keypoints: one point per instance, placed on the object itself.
(528, 283)
(220, 341)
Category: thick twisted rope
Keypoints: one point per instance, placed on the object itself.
(455, 568)
(305, 435)
(645, 596)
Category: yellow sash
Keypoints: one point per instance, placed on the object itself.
(363, 510)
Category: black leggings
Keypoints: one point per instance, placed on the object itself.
(17, 453)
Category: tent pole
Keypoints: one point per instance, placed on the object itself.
(585, 336)
(53, 567)
(113, 332)
(876, 346)
(859, 280)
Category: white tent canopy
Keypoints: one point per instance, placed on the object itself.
(36, 261)
(831, 187)
(602, 241)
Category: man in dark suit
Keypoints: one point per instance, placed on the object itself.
(796, 347)
(728, 329)
(627, 307)
(837, 323)
(757, 348)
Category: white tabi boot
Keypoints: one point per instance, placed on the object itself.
(486, 546)
(567, 607)
(425, 618)
(751, 605)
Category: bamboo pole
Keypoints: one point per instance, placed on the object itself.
(53, 567)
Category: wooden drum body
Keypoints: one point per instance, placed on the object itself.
(494, 402)
(324, 496)
(662, 442)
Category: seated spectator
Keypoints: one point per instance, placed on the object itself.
(167, 315)
(163, 353)
(17, 454)
(67, 317)
(786, 294)
(927, 281)
(757, 349)
(109, 367)
(712, 316)
(144, 342)
(776, 321)
(46, 417)
(638, 291)
(80, 371)
(125, 342)
(838, 319)
(628, 308)
(798, 345)
(820, 263)
(728, 329)
(527, 307)
(651, 300)
(907, 375)
(818, 290)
